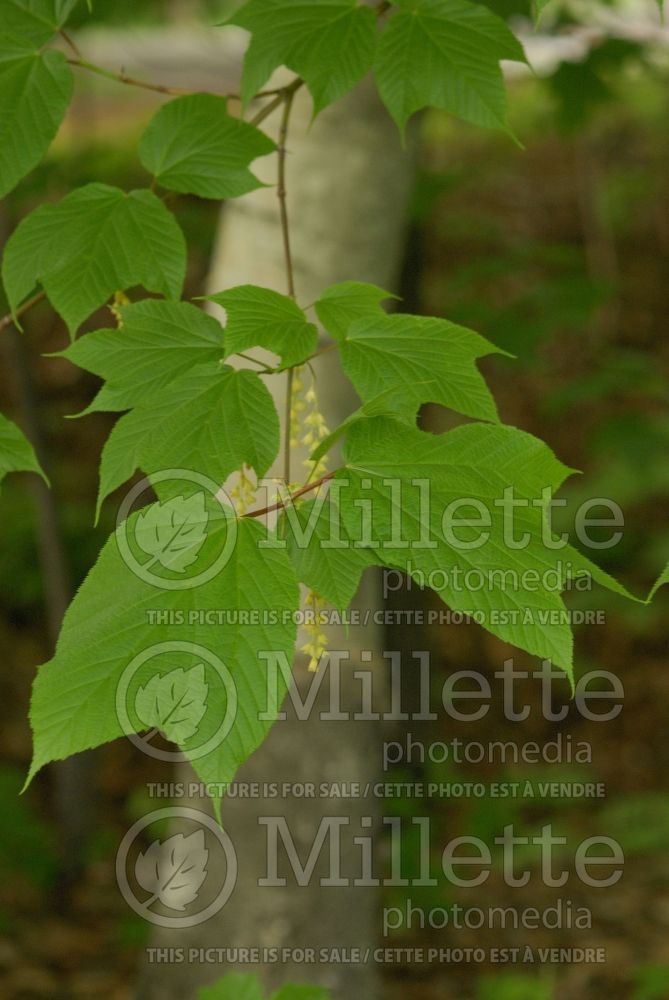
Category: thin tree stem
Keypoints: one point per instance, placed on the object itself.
(70, 41)
(282, 192)
(288, 98)
(270, 108)
(322, 350)
(292, 497)
(10, 318)
(278, 95)
(290, 378)
(256, 361)
(121, 77)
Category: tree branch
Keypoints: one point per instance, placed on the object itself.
(70, 41)
(322, 350)
(10, 318)
(121, 77)
(265, 112)
(265, 369)
(278, 94)
(288, 98)
(292, 497)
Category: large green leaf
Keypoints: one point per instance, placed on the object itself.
(74, 704)
(329, 43)
(209, 421)
(341, 305)
(426, 360)
(518, 458)
(35, 92)
(157, 342)
(383, 405)
(30, 23)
(35, 85)
(96, 241)
(16, 452)
(473, 464)
(188, 410)
(445, 54)
(122, 452)
(193, 145)
(260, 317)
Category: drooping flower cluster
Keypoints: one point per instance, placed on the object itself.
(307, 423)
(120, 300)
(297, 407)
(243, 493)
(313, 626)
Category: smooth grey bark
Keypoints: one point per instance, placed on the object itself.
(348, 186)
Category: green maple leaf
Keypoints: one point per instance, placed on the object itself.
(32, 23)
(261, 317)
(445, 54)
(211, 420)
(423, 359)
(476, 463)
(188, 411)
(16, 452)
(158, 342)
(95, 241)
(383, 405)
(341, 305)
(329, 43)
(75, 694)
(195, 146)
(35, 84)
(472, 465)
(35, 92)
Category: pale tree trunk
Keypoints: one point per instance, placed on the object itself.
(348, 186)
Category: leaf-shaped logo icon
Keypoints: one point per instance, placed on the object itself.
(173, 532)
(174, 702)
(173, 872)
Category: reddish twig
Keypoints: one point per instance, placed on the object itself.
(280, 505)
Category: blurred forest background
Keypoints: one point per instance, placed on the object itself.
(558, 253)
